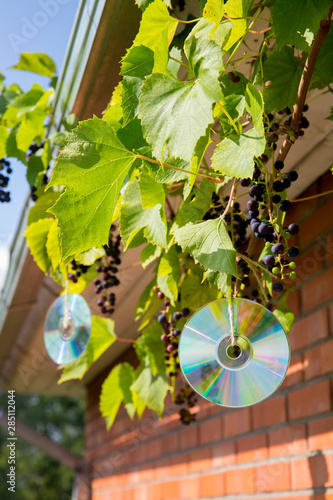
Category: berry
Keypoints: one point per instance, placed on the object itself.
(268, 260)
(274, 127)
(279, 165)
(275, 270)
(286, 183)
(263, 229)
(270, 117)
(293, 252)
(162, 319)
(185, 312)
(292, 265)
(263, 158)
(164, 337)
(170, 348)
(155, 288)
(277, 287)
(273, 138)
(256, 173)
(176, 332)
(255, 226)
(176, 315)
(254, 293)
(255, 190)
(292, 176)
(278, 186)
(166, 303)
(285, 206)
(269, 237)
(268, 84)
(276, 198)
(236, 79)
(245, 182)
(252, 205)
(277, 248)
(292, 275)
(99, 269)
(160, 295)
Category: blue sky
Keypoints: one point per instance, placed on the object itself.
(28, 26)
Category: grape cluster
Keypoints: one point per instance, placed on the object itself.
(186, 396)
(79, 270)
(33, 148)
(108, 271)
(4, 180)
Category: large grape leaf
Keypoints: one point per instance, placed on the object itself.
(175, 114)
(168, 274)
(102, 336)
(297, 21)
(149, 345)
(237, 10)
(195, 294)
(284, 70)
(92, 166)
(324, 64)
(285, 316)
(36, 235)
(151, 389)
(193, 209)
(209, 244)
(133, 218)
(116, 389)
(38, 63)
(213, 11)
(38, 210)
(3, 139)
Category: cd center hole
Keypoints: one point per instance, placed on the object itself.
(234, 351)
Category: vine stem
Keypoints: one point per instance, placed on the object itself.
(231, 197)
(128, 341)
(312, 197)
(253, 263)
(178, 61)
(135, 264)
(304, 83)
(301, 96)
(228, 116)
(217, 180)
(251, 266)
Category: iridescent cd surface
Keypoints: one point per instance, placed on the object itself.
(64, 345)
(234, 376)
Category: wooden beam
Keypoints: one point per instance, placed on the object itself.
(43, 443)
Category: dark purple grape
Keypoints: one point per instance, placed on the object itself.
(293, 252)
(245, 281)
(252, 205)
(99, 269)
(255, 190)
(176, 332)
(160, 295)
(176, 315)
(185, 312)
(164, 337)
(285, 206)
(245, 182)
(236, 79)
(255, 226)
(276, 198)
(305, 108)
(287, 122)
(268, 260)
(274, 127)
(286, 183)
(263, 229)
(254, 213)
(278, 186)
(166, 303)
(292, 176)
(270, 117)
(277, 287)
(277, 248)
(279, 165)
(272, 138)
(293, 229)
(256, 173)
(269, 237)
(170, 348)
(245, 270)
(162, 318)
(304, 123)
(254, 293)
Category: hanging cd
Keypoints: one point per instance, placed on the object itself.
(66, 340)
(234, 375)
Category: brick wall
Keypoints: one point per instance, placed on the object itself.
(281, 448)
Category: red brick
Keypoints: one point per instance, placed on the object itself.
(289, 440)
(331, 318)
(200, 460)
(309, 263)
(312, 472)
(294, 302)
(309, 400)
(301, 209)
(210, 430)
(321, 434)
(154, 448)
(325, 496)
(318, 361)
(252, 448)
(316, 224)
(161, 468)
(169, 444)
(178, 465)
(329, 249)
(190, 488)
(309, 329)
(223, 454)
(212, 485)
(318, 290)
(273, 477)
(270, 412)
(188, 438)
(240, 481)
(236, 422)
(170, 489)
(295, 371)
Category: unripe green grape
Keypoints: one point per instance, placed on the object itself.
(292, 265)
(275, 270)
(292, 275)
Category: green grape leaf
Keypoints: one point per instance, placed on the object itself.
(199, 152)
(149, 345)
(133, 218)
(221, 280)
(149, 254)
(194, 294)
(90, 256)
(213, 11)
(38, 63)
(27, 102)
(44, 202)
(143, 4)
(116, 389)
(209, 244)
(145, 300)
(31, 128)
(53, 245)
(169, 108)
(114, 113)
(285, 316)
(193, 210)
(36, 235)
(234, 154)
(93, 166)
(168, 274)
(284, 70)
(324, 64)
(101, 338)
(237, 9)
(35, 165)
(157, 29)
(255, 106)
(152, 193)
(152, 389)
(4, 134)
(296, 21)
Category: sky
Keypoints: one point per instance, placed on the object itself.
(28, 26)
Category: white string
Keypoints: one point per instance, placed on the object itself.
(231, 321)
(66, 318)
